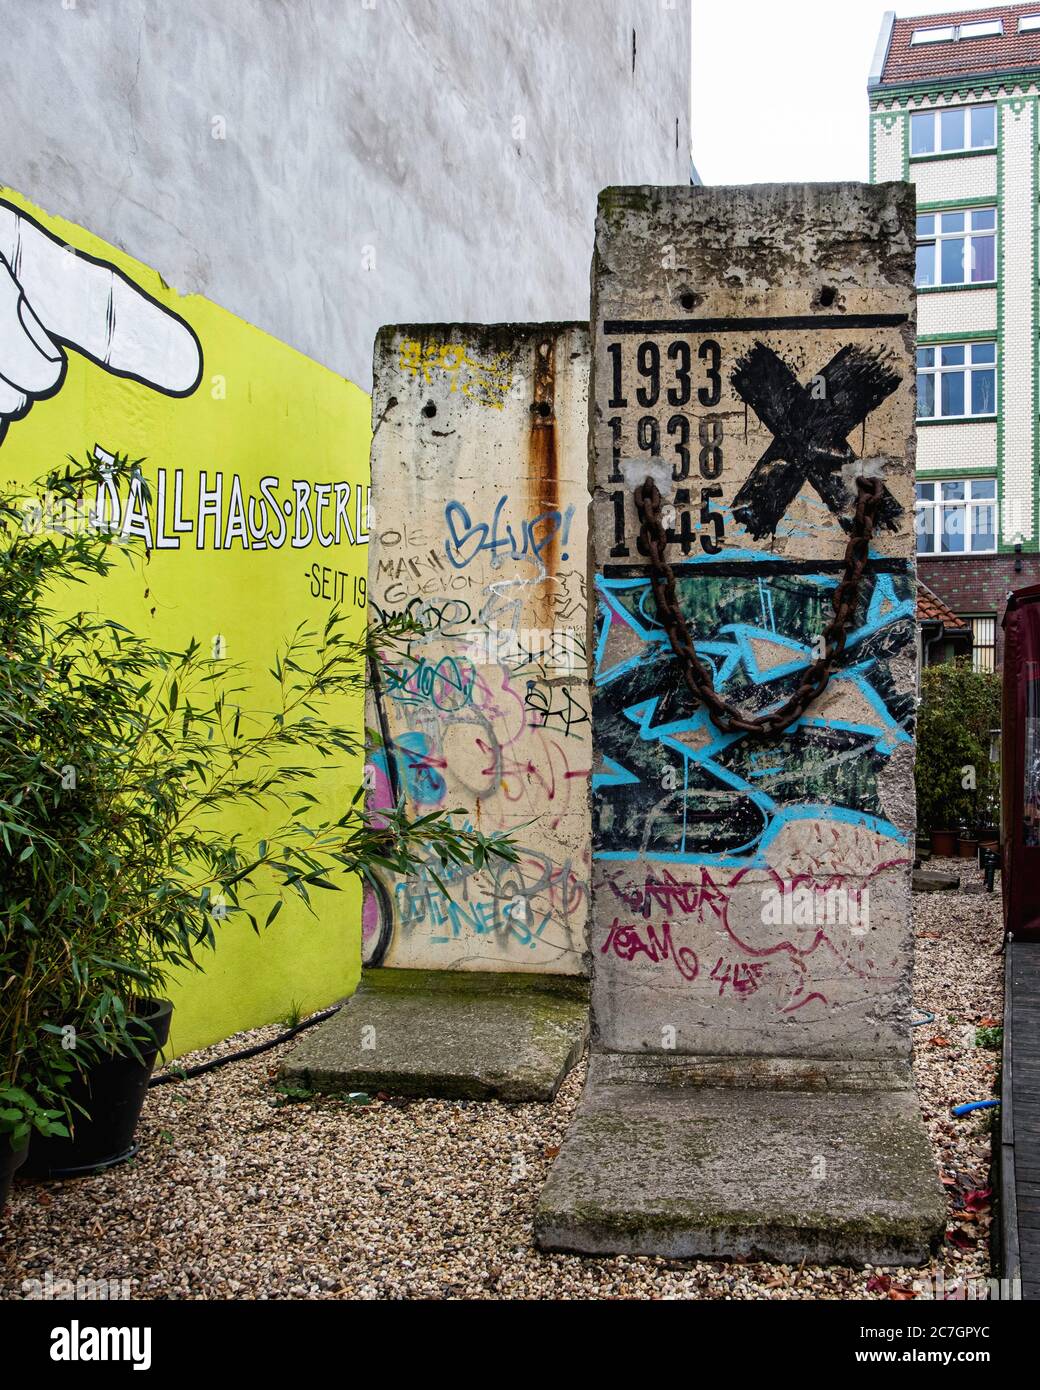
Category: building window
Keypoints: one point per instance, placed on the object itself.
(956, 381)
(956, 517)
(1028, 23)
(952, 129)
(944, 34)
(980, 29)
(983, 642)
(970, 29)
(957, 248)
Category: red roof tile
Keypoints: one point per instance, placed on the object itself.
(997, 53)
(931, 609)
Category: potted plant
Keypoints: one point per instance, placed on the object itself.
(967, 843)
(944, 844)
(120, 763)
(988, 827)
(954, 773)
(20, 1115)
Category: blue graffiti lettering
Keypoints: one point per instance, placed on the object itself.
(467, 539)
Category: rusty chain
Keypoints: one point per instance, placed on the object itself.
(698, 676)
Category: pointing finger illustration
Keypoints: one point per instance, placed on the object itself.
(12, 402)
(91, 306)
(30, 363)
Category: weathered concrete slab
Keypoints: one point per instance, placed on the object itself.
(453, 1034)
(707, 304)
(655, 1166)
(753, 357)
(480, 488)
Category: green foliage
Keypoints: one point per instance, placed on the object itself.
(959, 708)
(991, 1038)
(21, 1113)
(293, 1015)
(121, 765)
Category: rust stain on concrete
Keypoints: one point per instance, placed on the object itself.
(543, 466)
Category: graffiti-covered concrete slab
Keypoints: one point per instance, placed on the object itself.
(719, 855)
(480, 488)
(479, 481)
(461, 1035)
(752, 360)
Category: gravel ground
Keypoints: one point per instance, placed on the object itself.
(241, 1193)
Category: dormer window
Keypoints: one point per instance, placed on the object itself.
(971, 29)
(981, 29)
(944, 35)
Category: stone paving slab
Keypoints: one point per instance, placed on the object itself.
(458, 1035)
(689, 1171)
(934, 881)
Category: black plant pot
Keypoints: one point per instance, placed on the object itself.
(10, 1160)
(112, 1091)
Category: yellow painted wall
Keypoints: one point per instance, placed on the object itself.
(260, 409)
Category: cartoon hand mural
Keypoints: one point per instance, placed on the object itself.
(53, 297)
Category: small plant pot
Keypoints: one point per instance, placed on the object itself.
(10, 1161)
(967, 848)
(112, 1091)
(944, 844)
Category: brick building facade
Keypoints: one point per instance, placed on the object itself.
(979, 585)
(954, 109)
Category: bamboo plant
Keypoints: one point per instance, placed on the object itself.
(121, 767)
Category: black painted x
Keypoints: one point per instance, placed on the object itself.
(810, 427)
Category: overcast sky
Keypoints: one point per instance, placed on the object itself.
(779, 86)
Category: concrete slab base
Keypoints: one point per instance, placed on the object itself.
(934, 881)
(675, 1167)
(459, 1035)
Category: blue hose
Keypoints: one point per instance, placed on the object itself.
(974, 1105)
(920, 1022)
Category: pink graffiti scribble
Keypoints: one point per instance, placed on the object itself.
(545, 775)
(425, 782)
(811, 937)
(626, 943)
(673, 896)
(508, 717)
(379, 797)
(369, 914)
(567, 892)
(774, 953)
(788, 976)
(797, 949)
(740, 977)
(809, 998)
